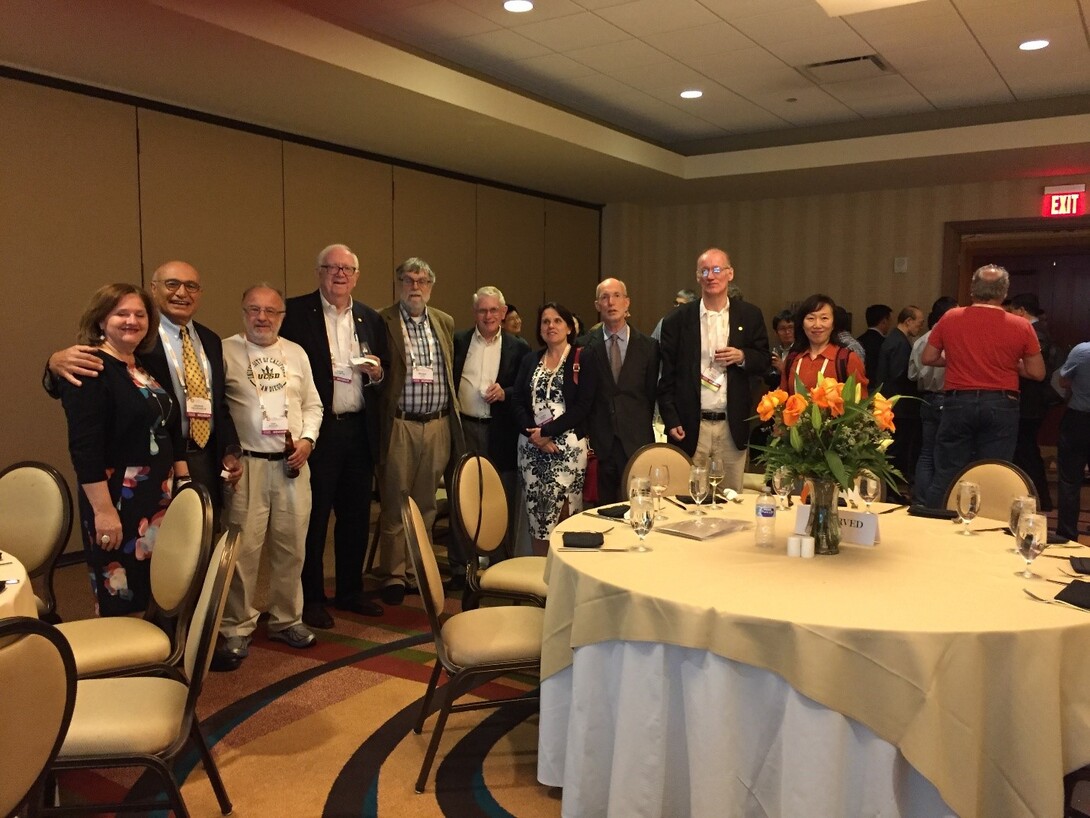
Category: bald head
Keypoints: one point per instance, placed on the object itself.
(176, 289)
(612, 302)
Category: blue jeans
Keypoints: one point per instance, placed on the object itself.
(975, 425)
(1072, 455)
(930, 414)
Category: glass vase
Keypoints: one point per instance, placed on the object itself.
(824, 523)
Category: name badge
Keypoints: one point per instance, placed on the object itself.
(342, 373)
(543, 417)
(423, 374)
(198, 407)
(274, 426)
(712, 379)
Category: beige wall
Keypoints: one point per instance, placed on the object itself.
(785, 249)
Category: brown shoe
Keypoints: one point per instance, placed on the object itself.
(316, 616)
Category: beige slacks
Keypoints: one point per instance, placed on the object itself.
(715, 436)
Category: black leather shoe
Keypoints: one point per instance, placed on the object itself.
(316, 616)
(393, 594)
(358, 605)
(457, 582)
(224, 661)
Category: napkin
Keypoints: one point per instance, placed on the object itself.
(1077, 594)
(933, 513)
(688, 500)
(616, 512)
(1053, 539)
(1080, 565)
(583, 539)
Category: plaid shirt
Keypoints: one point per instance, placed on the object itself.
(423, 398)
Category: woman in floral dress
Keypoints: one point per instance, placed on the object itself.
(124, 437)
(553, 397)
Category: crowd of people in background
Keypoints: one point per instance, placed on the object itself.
(292, 420)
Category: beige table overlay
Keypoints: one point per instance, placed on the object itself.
(16, 599)
(927, 639)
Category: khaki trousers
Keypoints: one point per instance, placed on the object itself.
(715, 436)
(273, 512)
(415, 461)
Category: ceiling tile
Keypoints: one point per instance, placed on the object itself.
(620, 56)
(731, 10)
(643, 17)
(734, 114)
(600, 4)
(439, 20)
(574, 31)
(551, 67)
(839, 45)
(811, 106)
(691, 45)
(807, 20)
(496, 47)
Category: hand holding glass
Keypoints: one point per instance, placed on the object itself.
(231, 460)
(968, 494)
(660, 481)
(1032, 538)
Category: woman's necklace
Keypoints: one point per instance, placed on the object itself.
(129, 359)
(556, 359)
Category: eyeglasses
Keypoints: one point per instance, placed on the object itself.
(409, 281)
(173, 284)
(714, 271)
(488, 310)
(256, 311)
(330, 269)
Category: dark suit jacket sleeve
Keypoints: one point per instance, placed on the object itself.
(754, 340)
(652, 374)
(524, 415)
(226, 435)
(669, 354)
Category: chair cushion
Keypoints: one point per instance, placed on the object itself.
(506, 633)
(114, 643)
(40, 604)
(132, 714)
(524, 574)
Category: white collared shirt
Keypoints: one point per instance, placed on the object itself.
(171, 335)
(714, 334)
(481, 368)
(340, 331)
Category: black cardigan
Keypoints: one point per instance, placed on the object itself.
(578, 397)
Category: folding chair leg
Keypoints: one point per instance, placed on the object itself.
(372, 548)
(211, 769)
(437, 734)
(428, 694)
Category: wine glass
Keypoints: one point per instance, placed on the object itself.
(868, 486)
(968, 503)
(1025, 504)
(1032, 538)
(716, 473)
(641, 516)
(660, 481)
(640, 486)
(782, 482)
(698, 487)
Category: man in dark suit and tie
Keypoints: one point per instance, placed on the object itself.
(346, 344)
(486, 362)
(711, 349)
(627, 363)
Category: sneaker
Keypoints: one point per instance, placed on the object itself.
(297, 636)
(238, 645)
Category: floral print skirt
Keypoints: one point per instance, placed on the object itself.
(550, 479)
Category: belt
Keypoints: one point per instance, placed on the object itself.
(343, 415)
(980, 393)
(472, 419)
(713, 415)
(265, 455)
(421, 417)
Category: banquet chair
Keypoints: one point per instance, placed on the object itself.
(125, 645)
(1000, 482)
(147, 721)
(479, 509)
(36, 516)
(659, 454)
(473, 646)
(38, 680)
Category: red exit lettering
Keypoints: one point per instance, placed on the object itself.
(1064, 204)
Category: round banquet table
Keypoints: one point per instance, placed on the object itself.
(17, 597)
(911, 678)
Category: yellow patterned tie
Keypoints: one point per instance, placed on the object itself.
(200, 429)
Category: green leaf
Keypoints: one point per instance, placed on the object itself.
(796, 439)
(836, 466)
(849, 392)
(815, 417)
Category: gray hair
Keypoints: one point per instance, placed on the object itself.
(414, 265)
(331, 248)
(488, 291)
(687, 294)
(263, 285)
(990, 283)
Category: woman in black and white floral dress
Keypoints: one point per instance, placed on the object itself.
(553, 396)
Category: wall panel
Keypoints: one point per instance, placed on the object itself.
(212, 196)
(332, 198)
(510, 252)
(571, 263)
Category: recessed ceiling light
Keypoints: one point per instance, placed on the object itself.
(692, 93)
(518, 6)
(1034, 45)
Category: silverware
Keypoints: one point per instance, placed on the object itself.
(676, 502)
(891, 510)
(1067, 573)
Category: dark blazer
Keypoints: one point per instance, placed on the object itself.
(1034, 394)
(304, 324)
(871, 341)
(679, 383)
(503, 430)
(578, 398)
(623, 409)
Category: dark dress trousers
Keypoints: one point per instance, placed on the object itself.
(679, 383)
(342, 465)
(621, 419)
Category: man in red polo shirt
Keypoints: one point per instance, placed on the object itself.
(984, 349)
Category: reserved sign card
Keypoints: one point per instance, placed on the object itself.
(856, 527)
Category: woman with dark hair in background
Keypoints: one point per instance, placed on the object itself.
(816, 352)
(124, 437)
(553, 396)
(512, 322)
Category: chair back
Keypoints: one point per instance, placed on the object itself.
(479, 504)
(659, 454)
(425, 565)
(181, 551)
(1000, 482)
(36, 509)
(207, 614)
(38, 684)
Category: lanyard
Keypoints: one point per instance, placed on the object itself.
(541, 370)
(179, 371)
(424, 326)
(821, 372)
(335, 341)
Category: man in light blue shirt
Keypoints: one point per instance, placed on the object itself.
(1073, 453)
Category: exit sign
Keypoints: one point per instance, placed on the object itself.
(1064, 200)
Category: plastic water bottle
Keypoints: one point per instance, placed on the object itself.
(764, 533)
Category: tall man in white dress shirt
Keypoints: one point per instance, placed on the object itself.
(271, 393)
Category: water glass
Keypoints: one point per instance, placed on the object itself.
(968, 494)
(868, 486)
(641, 516)
(698, 487)
(660, 481)
(716, 473)
(1032, 537)
(782, 483)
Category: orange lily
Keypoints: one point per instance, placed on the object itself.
(827, 395)
(793, 408)
(767, 407)
(883, 413)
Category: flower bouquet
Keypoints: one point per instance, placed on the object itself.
(827, 436)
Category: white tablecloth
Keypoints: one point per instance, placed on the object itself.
(17, 598)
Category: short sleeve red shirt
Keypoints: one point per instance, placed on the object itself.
(983, 346)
